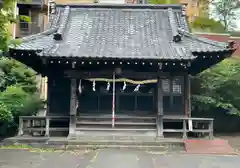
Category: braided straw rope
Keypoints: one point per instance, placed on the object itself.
(124, 80)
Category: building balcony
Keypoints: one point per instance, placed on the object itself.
(31, 2)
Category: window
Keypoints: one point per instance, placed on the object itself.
(23, 24)
(194, 3)
(173, 98)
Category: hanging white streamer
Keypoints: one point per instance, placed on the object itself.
(80, 86)
(124, 86)
(190, 125)
(94, 85)
(76, 104)
(108, 86)
(137, 88)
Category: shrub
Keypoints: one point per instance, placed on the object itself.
(5, 114)
(208, 24)
(16, 102)
(19, 102)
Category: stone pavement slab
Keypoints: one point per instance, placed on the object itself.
(112, 158)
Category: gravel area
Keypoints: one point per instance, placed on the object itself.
(111, 158)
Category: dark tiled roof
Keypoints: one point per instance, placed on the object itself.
(120, 31)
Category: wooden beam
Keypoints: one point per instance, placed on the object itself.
(125, 74)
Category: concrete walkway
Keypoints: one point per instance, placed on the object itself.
(110, 158)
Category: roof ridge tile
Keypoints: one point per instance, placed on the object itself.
(174, 27)
(62, 24)
(124, 6)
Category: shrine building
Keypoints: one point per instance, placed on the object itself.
(119, 67)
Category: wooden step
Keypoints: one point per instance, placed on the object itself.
(117, 117)
(116, 123)
(43, 129)
(113, 129)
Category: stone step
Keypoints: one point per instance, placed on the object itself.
(116, 142)
(93, 142)
(148, 148)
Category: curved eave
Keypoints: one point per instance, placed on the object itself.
(206, 60)
(27, 57)
(218, 51)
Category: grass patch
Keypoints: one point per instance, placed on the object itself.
(20, 146)
(41, 150)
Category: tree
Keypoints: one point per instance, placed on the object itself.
(8, 16)
(223, 10)
(13, 72)
(18, 91)
(218, 87)
(19, 102)
(226, 10)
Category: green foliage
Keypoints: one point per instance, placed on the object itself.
(13, 72)
(5, 114)
(218, 87)
(8, 16)
(20, 102)
(17, 82)
(16, 102)
(208, 24)
(163, 1)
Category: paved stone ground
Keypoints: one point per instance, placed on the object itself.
(110, 158)
(233, 139)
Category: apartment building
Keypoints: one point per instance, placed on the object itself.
(195, 8)
(37, 11)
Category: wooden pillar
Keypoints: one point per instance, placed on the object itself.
(159, 119)
(73, 108)
(187, 96)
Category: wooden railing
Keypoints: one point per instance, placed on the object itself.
(45, 125)
(28, 123)
(197, 122)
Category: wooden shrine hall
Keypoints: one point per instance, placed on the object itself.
(119, 68)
